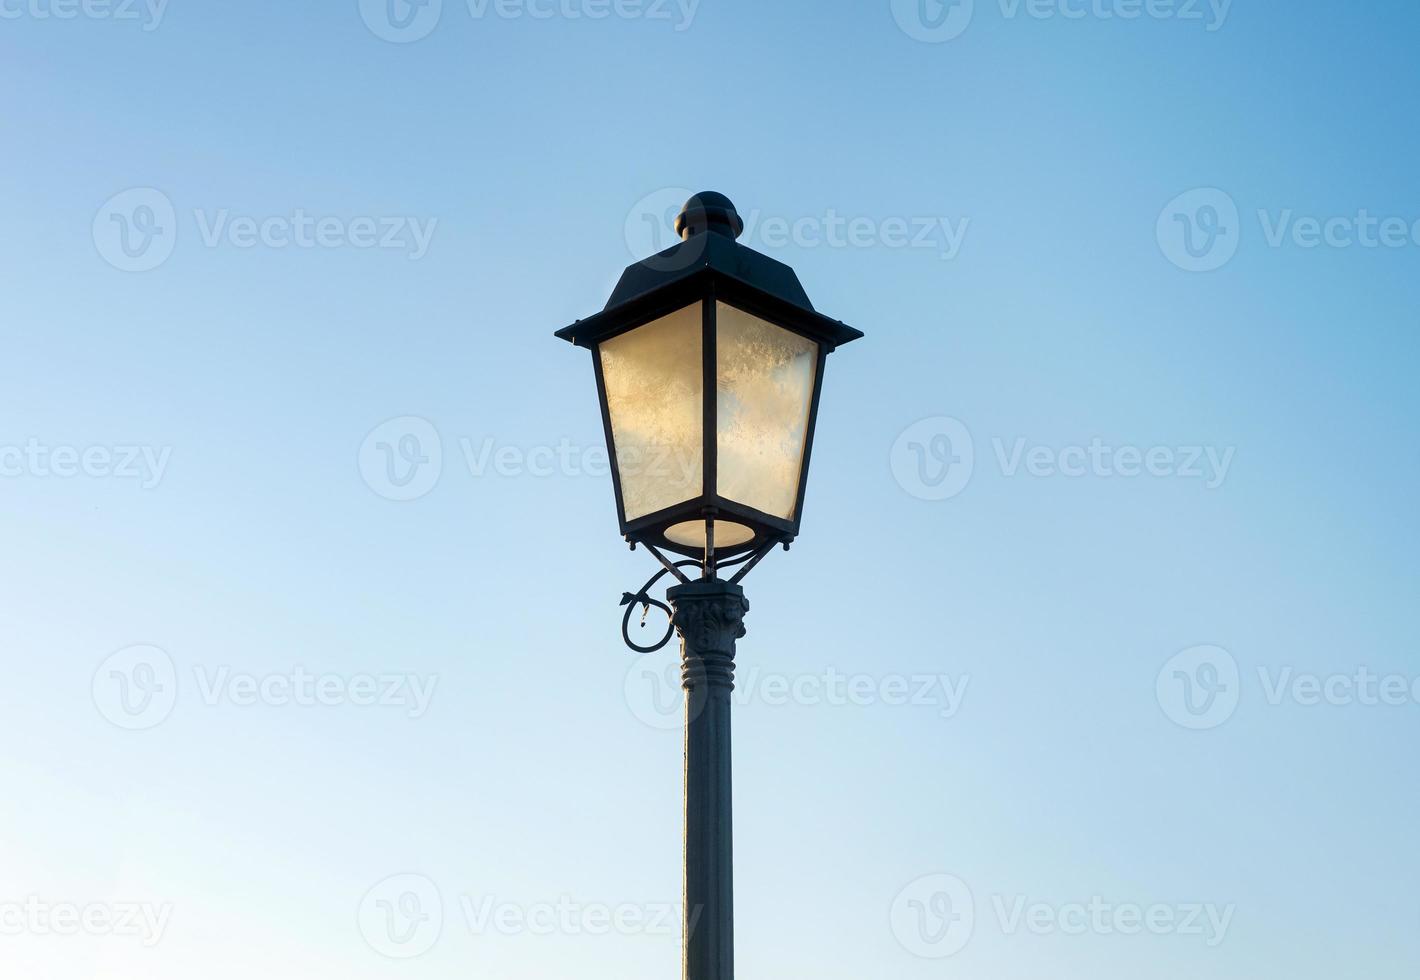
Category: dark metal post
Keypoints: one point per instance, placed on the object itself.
(709, 615)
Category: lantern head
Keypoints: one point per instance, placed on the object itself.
(709, 362)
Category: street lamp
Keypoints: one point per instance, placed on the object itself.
(709, 362)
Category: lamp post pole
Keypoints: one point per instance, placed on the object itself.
(709, 616)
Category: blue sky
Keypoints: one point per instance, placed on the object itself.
(1111, 515)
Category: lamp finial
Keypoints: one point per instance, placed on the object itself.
(709, 211)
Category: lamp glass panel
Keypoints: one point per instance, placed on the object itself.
(764, 388)
(655, 388)
(692, 534)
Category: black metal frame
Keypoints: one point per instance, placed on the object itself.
(709, 285)
(630, 600)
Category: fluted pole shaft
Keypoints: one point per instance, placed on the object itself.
(709, 616)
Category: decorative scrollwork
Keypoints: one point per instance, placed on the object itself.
(643, 598)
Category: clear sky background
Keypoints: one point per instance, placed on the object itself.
(1100, 750)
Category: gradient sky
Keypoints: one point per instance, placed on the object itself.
(1063, 177)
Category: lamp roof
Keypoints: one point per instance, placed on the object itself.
(710, 224)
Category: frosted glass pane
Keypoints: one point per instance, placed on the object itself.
(764, 384)
(655, 394)
(692, 534)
